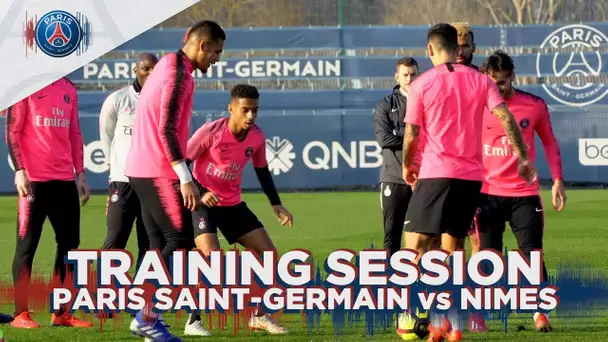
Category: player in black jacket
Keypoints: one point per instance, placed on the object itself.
(388, 126)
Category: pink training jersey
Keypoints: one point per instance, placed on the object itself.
(220, 159)
(448, 103)
(43, 133)
(418, 155)
(162, 120)
(501, 177)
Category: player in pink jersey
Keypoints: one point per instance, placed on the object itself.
(46, 150)
(220, 151)
(156, 163)
(505, 196)
(445, 107)
(464, 56)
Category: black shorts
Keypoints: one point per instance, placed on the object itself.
(234, 221)
(168, 222)
(443, 205)
(524, 214)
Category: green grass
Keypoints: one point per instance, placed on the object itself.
(325, 222)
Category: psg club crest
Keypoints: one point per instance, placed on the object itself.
(249, 151)
(524, 123)
(58, 33)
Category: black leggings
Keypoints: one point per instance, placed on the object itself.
(168, 222)
(57, 200)
(123, 209)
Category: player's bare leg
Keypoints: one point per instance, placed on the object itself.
(418, 242)
(436, 243)
(259, 242)
(421, 243)
(207, 243)
(194, 325)
(450, 243)
(476, 320)
(440, 326)
(474, 243)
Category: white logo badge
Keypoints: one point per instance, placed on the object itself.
(387, 191)
(576, 69)
(114, 198)
(280, 155)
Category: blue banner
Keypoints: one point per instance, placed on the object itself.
(320, 151)
(530, 36)
(330, 100)
(111, 70)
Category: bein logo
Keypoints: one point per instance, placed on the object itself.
(593, 152)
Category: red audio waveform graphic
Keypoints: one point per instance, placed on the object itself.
(29, 33)
(38, 290)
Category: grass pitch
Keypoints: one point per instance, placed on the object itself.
(325, 222)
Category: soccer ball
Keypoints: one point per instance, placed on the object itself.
(412, 326)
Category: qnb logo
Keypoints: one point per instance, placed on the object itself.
(593, 152)
(577, 70)
(58, 33)
(280, 155)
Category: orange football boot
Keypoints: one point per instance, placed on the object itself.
(24, 321)
(69, 320)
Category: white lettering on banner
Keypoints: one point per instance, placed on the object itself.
(359, 155)
(240, 69)
(273, 68)
(94, 158)
(111, 71)
(593, 152)
(316, 155)
(365, 154)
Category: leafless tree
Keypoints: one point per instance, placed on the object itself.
(241, 13)
(525, 12)
(244, 13)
